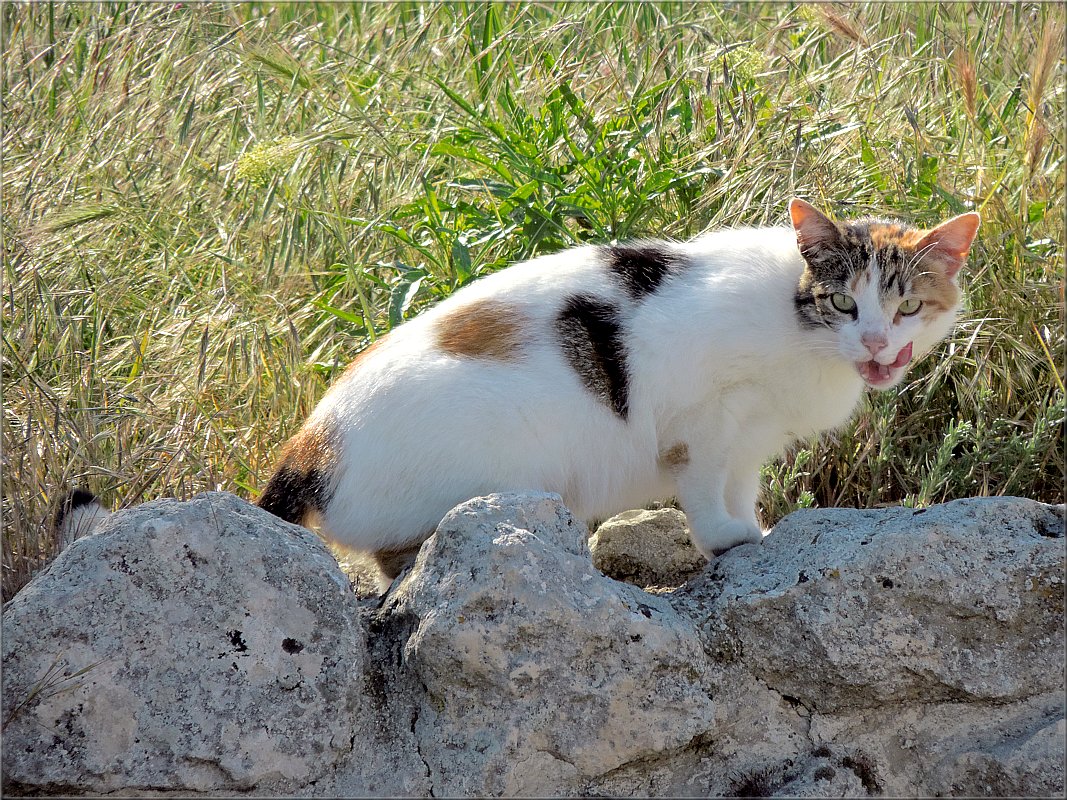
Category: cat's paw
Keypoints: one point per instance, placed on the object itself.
(726, 534)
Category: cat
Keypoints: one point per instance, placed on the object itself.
(618, 374)
(614, 375)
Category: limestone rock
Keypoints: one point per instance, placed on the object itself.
(854, 609)
(539, 672)
(646, 548)
(927, 644)
(199, 646)
(963, 749)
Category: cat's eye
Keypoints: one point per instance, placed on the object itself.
(910, 306)
(843, 303)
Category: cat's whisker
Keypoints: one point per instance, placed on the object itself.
(918, 255)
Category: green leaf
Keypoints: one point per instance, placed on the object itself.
(402, 295)
(340, 313)
(495, 188)
(1011, 104)
(954, 204)
(524, 191)
(461, 261)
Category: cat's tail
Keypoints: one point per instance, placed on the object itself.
(79, 514)
(297, 489)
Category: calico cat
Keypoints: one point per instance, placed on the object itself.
(615, 375)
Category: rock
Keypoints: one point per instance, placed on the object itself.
(845, 609)
(956, 749)
(208, 648)
(647, 549)
(199, 647)
(539, 673)
(926, 643)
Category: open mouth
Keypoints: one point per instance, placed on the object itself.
(878, 375)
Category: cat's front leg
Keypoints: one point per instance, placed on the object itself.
(702, 489)
(742, 491)
(714, 534)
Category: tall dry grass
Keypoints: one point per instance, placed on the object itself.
(209, 209)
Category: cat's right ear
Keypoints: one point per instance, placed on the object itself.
(814, 229)
(950, 242)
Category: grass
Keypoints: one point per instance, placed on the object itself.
(209, 209)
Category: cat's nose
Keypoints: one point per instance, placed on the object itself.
(874, 342)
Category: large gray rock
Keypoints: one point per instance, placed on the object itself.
(923, 647)
(206, 647)
(854, 609)
(539, 672)
(199, 646)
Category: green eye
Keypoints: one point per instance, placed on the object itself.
(843, 303)
(910, 306)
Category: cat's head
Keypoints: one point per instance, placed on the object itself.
(886, 289)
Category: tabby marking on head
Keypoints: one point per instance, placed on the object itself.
(902, 260)
(877, 283)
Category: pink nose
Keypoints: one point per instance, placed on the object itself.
(874, 342)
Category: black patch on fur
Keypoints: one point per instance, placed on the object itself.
(591, 336)
(292, 492)
(642, 267)
(70, 501)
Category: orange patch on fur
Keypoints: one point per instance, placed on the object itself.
(676, 456)
(930, 283)
(483, 329)
(311, 448)
(906, 238)
(885, 234)
(937, 292)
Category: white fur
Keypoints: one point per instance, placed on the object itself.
(716, 359)
(82, 521)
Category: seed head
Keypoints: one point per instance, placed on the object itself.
(264, 160)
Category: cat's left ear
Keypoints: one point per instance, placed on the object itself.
(950, 242)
